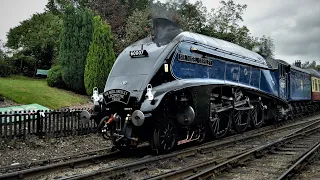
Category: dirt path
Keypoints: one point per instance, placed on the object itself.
(6, 102)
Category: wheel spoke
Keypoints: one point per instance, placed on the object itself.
(162, 142)
(219, 125)
(165, 138)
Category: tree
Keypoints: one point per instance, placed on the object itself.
(100, 57)
(138, 27)
(134, 5)
(191, 17)
(39, 36)
(2, 51)
(58, 7)
(75, 38)
(227, 17)
(266, 46)
(307, 65)
(113, 12)
(222, 23)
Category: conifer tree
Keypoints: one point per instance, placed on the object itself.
(100, 57)
(75, 41)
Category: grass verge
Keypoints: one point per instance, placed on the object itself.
(25, 90)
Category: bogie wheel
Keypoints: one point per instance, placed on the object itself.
(256, 116)
(220, 124)
(241, 120)
(164, 137)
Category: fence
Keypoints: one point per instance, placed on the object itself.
(43, 124)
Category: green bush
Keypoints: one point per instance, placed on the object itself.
(100, 57)
(75, 39)
(54, 78)
(6, 68)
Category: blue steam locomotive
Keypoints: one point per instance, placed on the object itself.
(178, 87)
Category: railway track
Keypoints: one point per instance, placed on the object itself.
(306, 167)
(46, 166)
(268, 161)
(45, 162)
(37, 169)
(147, 167)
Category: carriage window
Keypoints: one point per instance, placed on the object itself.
(316, 84)
(319, 85)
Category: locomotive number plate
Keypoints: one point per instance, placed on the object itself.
(138, 53)
(116, 95)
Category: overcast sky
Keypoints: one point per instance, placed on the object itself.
(294, 25)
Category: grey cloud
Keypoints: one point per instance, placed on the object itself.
(293, 25)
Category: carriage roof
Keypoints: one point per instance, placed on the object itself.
(313, 72)
(293, 66)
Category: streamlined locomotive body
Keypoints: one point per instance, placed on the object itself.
(180, 87)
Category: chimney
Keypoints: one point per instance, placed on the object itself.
(298, 63)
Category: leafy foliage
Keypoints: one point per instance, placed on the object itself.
(222, 23)
(75, 41)
(307, 64)
(6, 68)
(23, 63)
(2, 51)
(54, 78)
(138, 27)
(59, 7)
(134, 5)
(100, 57)
(192, 17)
(267, 46)
(39, 36)
(115, 13)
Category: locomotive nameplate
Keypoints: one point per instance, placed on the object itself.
(138, 53)
(116, 95)
(194, 60)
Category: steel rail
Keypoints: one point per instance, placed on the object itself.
(116, 170)
(44, 169)
(300, 162)
(249, 154)
(51, 160)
